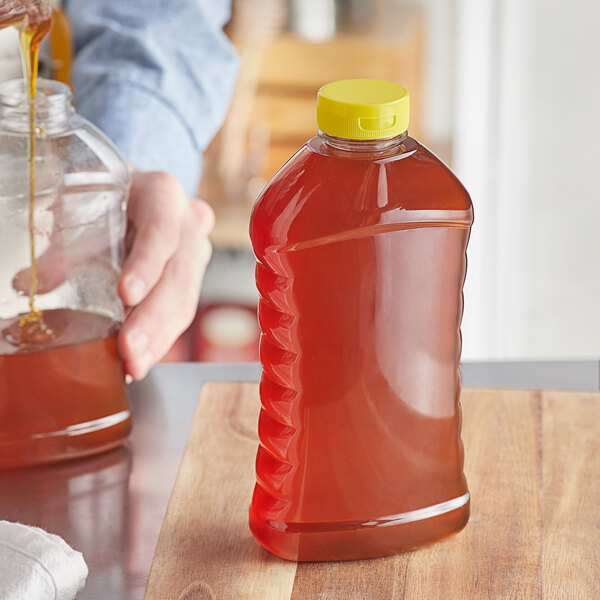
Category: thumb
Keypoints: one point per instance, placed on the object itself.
(51, 271)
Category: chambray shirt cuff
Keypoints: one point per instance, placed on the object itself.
(120, 108)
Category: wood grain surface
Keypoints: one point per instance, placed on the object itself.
(532, 461)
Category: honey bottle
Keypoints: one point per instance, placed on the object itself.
(360, 242)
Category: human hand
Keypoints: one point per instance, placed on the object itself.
(162, 275)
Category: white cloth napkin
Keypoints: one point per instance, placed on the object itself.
(36, 565)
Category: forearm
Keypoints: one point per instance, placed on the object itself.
(156, 76)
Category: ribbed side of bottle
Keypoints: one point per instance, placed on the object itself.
(277, 428)
(461, 303)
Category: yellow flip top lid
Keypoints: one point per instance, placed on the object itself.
(363, 109)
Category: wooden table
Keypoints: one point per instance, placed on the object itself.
(532, 463)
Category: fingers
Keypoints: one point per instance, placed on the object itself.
(79, 238)
(153, 325)
(171, 271)
(156, 203)
(50, 273)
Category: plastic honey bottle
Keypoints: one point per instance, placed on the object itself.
(360, 242)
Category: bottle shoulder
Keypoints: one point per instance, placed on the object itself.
(65, 142)
(101, 153)
(408, 167)
(322, 191)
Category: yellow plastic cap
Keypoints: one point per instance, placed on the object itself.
(363, 109)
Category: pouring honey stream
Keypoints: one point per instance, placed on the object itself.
(33, 20)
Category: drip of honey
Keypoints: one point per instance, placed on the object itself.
(33, 20)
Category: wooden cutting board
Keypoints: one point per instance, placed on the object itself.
(532, 460)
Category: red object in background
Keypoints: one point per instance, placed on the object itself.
(225, 332)
(221, 332)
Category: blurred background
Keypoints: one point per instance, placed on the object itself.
(504, 91)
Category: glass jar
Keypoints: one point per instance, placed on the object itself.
(62, 228)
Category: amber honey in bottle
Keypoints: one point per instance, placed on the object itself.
(360, 242)
(64, 396)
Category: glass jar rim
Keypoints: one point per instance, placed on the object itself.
(52, 108)
(50, 93)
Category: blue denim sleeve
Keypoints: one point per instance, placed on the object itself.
(156, 76)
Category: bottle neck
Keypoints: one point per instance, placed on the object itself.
(379, 145)
(52, 108)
